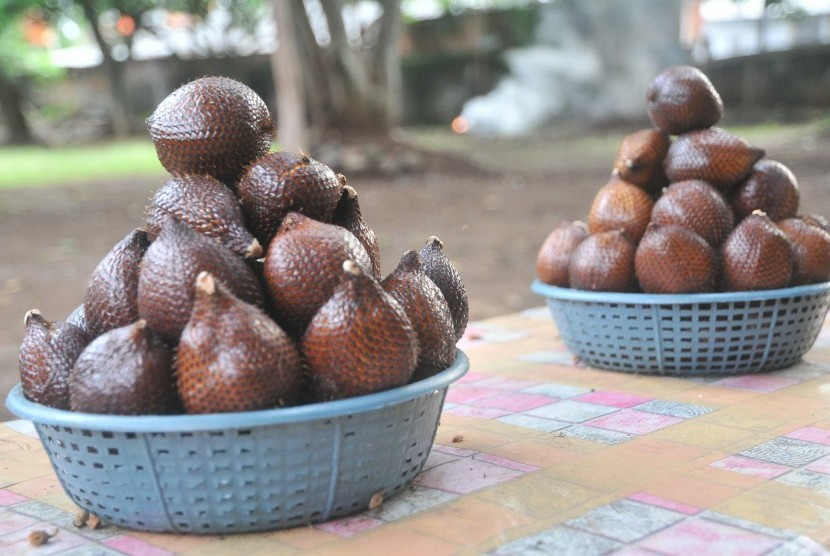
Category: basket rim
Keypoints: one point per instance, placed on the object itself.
(17, 403)
(569, 294)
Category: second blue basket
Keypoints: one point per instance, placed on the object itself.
(695, 334)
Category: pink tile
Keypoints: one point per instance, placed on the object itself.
(454, 451)
(437, 458)
(471, 377)
(634, 551)
(653, 500)
(467, 394)
(18, 542)
(135, 547)
(483, 412)
(7, 498)
(753, 467)
(10, 521)
(632, 421)
(614, 399)
(515, 402)
(506, 383)
(350, 526)
(812, 434)
(820, 466)
(756, 382)
(697, 536)
(508, 463)
(467, 475)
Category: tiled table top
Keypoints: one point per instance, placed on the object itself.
(537, 454)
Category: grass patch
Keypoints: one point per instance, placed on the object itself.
(32, 166)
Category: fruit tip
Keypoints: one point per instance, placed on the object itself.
(206, 283)
(30, 314)
(254, 250)
(341, 179)
(411, 260)
(435, 241)
(352, 267)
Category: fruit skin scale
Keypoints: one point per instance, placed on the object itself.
(674, 259)
(126, 371)
(169, 270)
(303, 266)
(233, 357)
(757, 255)
(696, 205)
(619, 205)
(554, 254)
(360, 341)
(213, 125)
(46, 356)
(282, 182)
(713, 155)
(110, 300)
(682, 98)
(440, 270)
(206, 205)
(424, 304)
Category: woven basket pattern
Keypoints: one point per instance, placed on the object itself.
(702, 334)
(261, 475)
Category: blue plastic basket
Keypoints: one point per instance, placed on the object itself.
(247, 471)
(694, 334)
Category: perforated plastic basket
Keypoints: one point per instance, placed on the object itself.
(695, 334)
(247, 471)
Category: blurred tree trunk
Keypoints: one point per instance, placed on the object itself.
(11, 102)
(347, 89)
(287, 68)
(115, 71)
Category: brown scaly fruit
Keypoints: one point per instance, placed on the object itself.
(348, 215)
(214, 125)
(619, 205)
(771, 187)
(78, 318)
(811, 247)
(554, 255)
(233, 357)
(756, 256)
(169, 270)
(111, 293)
(206, 205)
(440, 270)
(604, 262)
(304, 264)
(712, 155)
(428, 313)
(126, 371)
(674, 259)
(681, 99)
(283, 182)
(696, 205)
(640, 159)
(45, 359)
(360, 341)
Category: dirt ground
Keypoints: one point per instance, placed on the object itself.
(492, 214)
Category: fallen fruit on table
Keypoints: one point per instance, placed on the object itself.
(254, 283)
